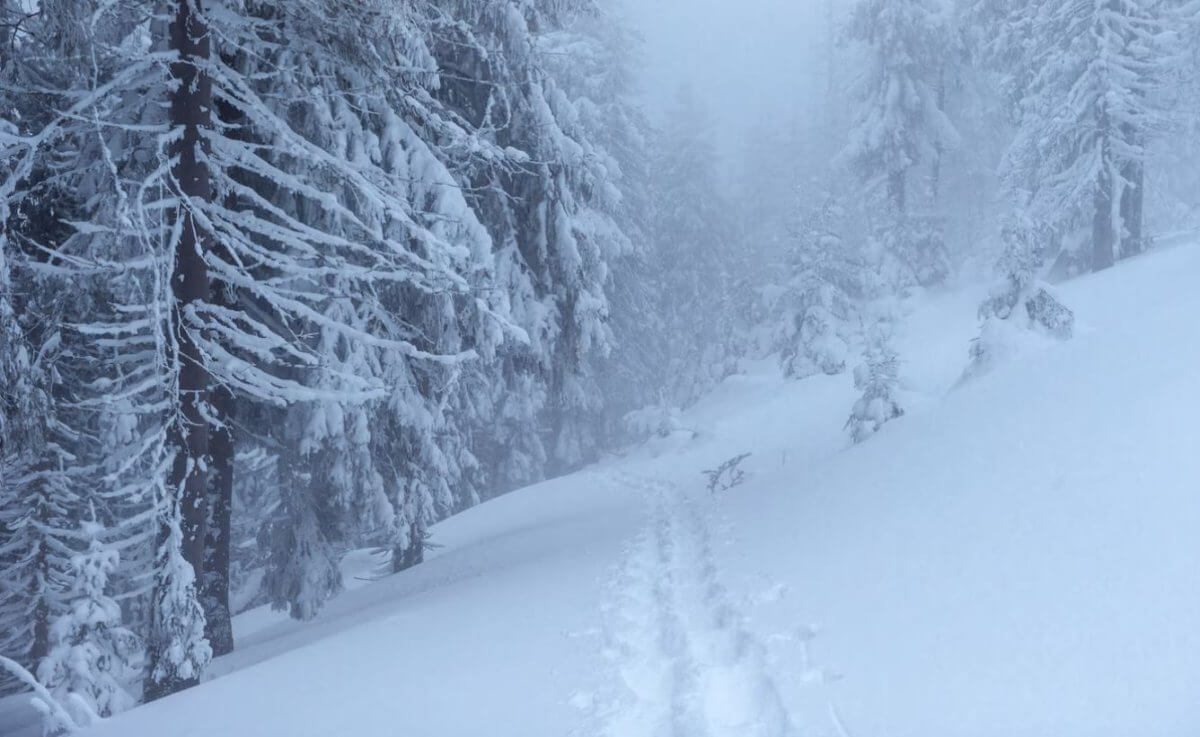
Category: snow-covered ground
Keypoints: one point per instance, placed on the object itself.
(1018, 556)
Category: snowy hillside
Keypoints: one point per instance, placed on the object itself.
(1017, 556)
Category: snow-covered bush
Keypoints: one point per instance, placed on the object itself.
(92, 659)
(877, 377)
(1019, 305)
(653, 421)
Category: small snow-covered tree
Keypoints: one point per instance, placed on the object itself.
(93, 660)
(176, 644)
(877, 377)
(1020, 300)
(302, 540)
(819, 300)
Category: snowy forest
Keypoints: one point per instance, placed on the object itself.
(288, 287)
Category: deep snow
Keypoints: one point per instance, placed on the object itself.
(1017, 556)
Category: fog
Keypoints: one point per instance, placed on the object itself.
(749, 62)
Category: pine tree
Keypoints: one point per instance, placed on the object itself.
(594, 68)
(1020, 300)
(693, 247)
(1089, 110)
(549, 198)
(40, 492)
(901, 125)
(93, 659)
(395, 243)
(178, 649)
(36, 503)
(819, 301)
(303, 560)
(877, 377)
(320, 185)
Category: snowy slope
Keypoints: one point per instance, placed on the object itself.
(1017, 556)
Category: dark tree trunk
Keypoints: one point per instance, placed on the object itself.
(218, 616)
(1103, 237)
(1132, 202)
(191, 106)
(896, 192)
(935, 185)
(191, 111)
(40, 647)
(218, 619)
(407, 557)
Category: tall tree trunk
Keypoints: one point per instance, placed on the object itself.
(190, 111)
(1132, 203)
(1103, 237)
(218, 619)
(40, 646)
(831, 35)
(935, 184)
(896, 192)
(218, 616)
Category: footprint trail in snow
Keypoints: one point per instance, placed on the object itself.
(688, 665)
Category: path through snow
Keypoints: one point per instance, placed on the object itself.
(688, 665)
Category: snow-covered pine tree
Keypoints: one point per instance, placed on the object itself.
(487, 81)
(819, 303)
(72, 437)
(36, 503)
(1020, 300)
(877, 377)
(51, 455)
(1089, 110)
(40, 501)
(548, 198)
(593, 67)
(901, 125)
(307, 231)
(288, 221)
(996, 37)
(575, 225)
(694, 241)
(304, 537)
(93, 660)
(375, 110)
(25, 569)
